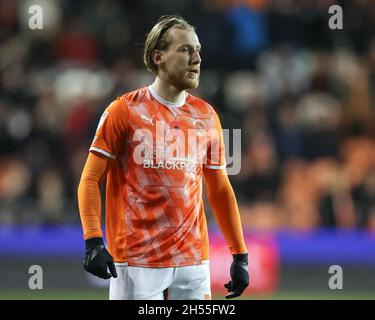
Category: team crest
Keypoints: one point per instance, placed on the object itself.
(199, 128)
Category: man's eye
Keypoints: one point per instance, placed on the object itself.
(190, 50)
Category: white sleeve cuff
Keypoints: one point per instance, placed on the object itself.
(215, 167)
(107, 154)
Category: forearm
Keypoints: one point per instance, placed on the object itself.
(224, 206)
(89, 198)
(89, 202)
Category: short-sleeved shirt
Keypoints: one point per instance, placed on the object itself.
(154, 206)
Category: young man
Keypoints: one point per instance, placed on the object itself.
(155, 223)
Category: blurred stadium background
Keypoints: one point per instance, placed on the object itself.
(302, 94)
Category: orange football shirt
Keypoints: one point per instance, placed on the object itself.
(154, 206)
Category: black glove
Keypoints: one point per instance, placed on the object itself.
(239, 275)
(97, 259)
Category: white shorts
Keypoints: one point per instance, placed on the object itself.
(183, 283)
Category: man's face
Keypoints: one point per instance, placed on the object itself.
(180, 63)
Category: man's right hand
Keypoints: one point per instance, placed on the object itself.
(97, 259)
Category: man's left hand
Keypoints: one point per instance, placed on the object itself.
(239, 276)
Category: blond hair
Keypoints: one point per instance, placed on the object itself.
(157, 38)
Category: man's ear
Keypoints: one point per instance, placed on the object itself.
(157, 57)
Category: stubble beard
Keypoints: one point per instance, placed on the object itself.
(190, 84)
(184, 83)
(180, 80)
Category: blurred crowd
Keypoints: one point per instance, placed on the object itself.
(302, 93)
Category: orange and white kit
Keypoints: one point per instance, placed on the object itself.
(154, 206)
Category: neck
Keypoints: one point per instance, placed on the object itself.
(168, 91)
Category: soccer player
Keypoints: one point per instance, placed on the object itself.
(156, 228)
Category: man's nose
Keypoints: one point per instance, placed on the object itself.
(196, 58)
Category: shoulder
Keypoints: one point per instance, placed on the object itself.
(122, 103)
(135, 97)
(201, 106)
